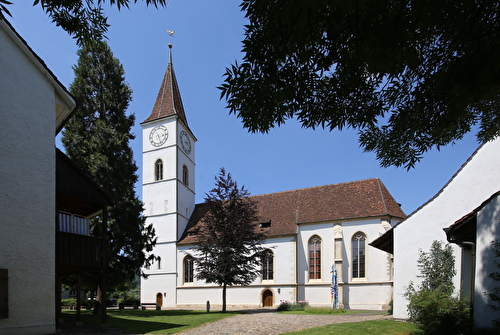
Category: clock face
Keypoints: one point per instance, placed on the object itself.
(185, 142)
(158, 136)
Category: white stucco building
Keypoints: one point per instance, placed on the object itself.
(33, 105)
(39, 186)
(308, 230)
(475, 182)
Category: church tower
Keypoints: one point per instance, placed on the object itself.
(168, 186)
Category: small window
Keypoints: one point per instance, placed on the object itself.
(188, 269)
(185, 175)
(358, 255)
(268, 265)
(265, 224)
(315, 257)
(158, 170)
(159, 263)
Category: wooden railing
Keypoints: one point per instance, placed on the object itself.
(80, 251)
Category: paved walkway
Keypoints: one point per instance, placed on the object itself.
(270, 323)
(259, 321)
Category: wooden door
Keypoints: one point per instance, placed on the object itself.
(267, 298)
(159, 299)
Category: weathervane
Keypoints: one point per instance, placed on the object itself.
(171, 33)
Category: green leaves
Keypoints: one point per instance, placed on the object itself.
(97, 140)
(409, 76)
(229, 244)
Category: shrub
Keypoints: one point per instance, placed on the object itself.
(286, 305)
(68, 302)
(435, 312)
(432, 307)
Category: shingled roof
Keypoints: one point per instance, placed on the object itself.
(168, 102)
(285, 210)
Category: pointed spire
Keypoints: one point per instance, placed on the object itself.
(168, 102)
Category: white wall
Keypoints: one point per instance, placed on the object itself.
(284, 278)
(477, 181)
(488, 230)
(27, 196)
(372, 292)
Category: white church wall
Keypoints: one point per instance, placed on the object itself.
(150, 159)
(378, 265)
(283, 249)
(165, 227)
(477, 181)
(199, 292)
(367, 296)
(488, 230)
(27, 110)
(163, 283)
(374, 291)
(159, 198)
(316, 291)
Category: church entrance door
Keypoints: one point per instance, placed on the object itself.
(267, 298)
(159, 299)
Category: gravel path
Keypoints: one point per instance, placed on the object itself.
(273, 323)
(252, 322)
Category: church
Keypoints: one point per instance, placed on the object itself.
(309, 231)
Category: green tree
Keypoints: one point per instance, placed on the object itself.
(408, 75)
(229, 241)
(437, 268)
(82, 19)
(97, 139)
(431, 305)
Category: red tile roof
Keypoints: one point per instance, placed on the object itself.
(168, 102)
(285, 210)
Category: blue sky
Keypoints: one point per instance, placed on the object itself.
(207, 39)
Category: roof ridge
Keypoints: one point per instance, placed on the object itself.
(318, 186)
(382, 195)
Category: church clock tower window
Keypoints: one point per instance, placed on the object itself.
(158, 170)
(185, 175)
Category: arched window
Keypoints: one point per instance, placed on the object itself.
(315, 257)
(158, 170)
(185, 175)
(358, 255)
(188, 269)
(268, 265)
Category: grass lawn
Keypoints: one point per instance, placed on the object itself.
(386, 327)
(151, 322)
(174, 321)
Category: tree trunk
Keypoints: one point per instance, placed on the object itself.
(224, 298)
(98, 301)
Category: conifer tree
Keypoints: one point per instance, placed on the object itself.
(97, 139)
(229, 242)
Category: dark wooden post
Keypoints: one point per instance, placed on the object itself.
(58, 299)
(78, 297)
(104, 271)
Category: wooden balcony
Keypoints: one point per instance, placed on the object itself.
(79, 253)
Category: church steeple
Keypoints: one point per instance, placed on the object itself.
(168, 102)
